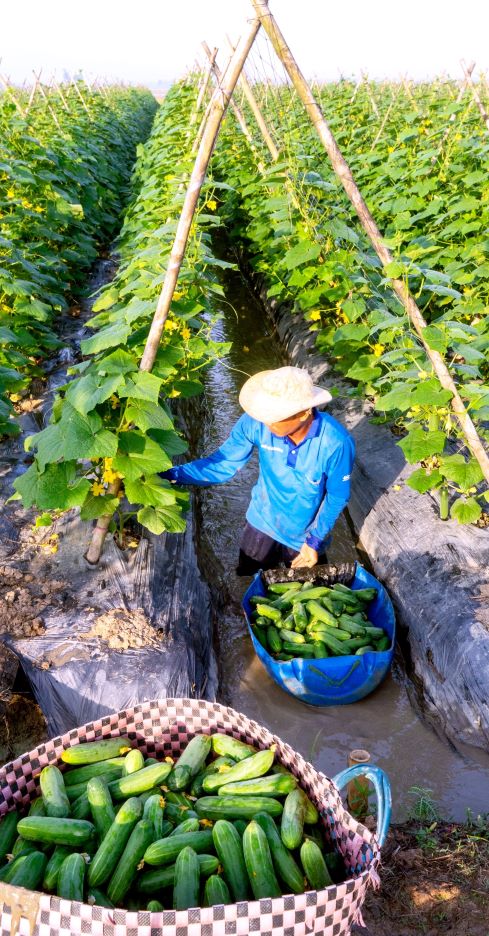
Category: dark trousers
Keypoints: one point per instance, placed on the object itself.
(259, 551)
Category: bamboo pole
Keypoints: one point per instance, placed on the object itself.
(32, 95)
(11, 95)
(344, 173)
(475, 94)
(204, 86)
(219, 76)
(220, 102)
(386, 117)
(80, 95)
(255, 110)
(46, 100)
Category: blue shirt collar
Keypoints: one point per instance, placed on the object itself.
(311, 432)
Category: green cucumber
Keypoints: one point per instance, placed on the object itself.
(154, 906)
(159, 878)
(84, 774)
(96, 896)
(230, 747)
(56, 830)
(8, 833)
(365, 649)
(92, 751)
(213, 767)
(272, 785)
(319, 628)
(101, 808)
(314, 865)
(56, 860)
(188, 825)
(236, 807)
(190, 762)
(260, 634)
(320, 650)
(77, 789)
(133, 761)
(216, 892)
(293, 818)
(266, 611)
(187, 880)
(280, 588)
(274, 642)
(28, 871)
(56, 802)
(125, 872)
(178, 814)
(322, 614)
(365, 594)
(80, 808)
(22, 847)
(317, 591)
(240, 825)
(284, 863)
(291, 637)
(140, 781)
(254, 766)
(115, 841)
(260, 599)
(300, 618)
(229, 849)
(299, 650)
(259, 865)
(311, 814)
(154, 810)
(166, 850)
(383, 644)
(71, 877)
(333, 644)
(353, 644)
(352, 627)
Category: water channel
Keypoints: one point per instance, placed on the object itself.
(384, 723)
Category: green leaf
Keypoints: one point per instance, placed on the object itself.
(422, 480)
(435, 338)
(101, 506)
(87, 392)
(419, 444)
(188, 388)
(50, 445)
(106, 338)
(465, 474)
(153, 492)
(429, 393)
(301, 253)
(119, 362)
(54, 489)
(364, 368)
(351, 333)
(108, 298)
(142, 386)
(466, 510)
(146, 415)
(160, 519)
(138, 455)
(353, 308)
(394, 270)
(83, 436)
(170, 442)
(399, 398)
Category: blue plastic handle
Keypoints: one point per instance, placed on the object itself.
(382, 790)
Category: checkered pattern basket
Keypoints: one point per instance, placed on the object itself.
(164, 727)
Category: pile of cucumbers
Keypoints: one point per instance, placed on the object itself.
(222, 823)
(303, 620)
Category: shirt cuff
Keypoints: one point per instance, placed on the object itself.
(170, 475)
(314, 542)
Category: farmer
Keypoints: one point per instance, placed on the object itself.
(305, 459)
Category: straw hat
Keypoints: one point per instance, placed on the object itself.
(273, 395)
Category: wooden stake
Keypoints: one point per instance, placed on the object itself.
(216, 71)
(248, 93)
(11, 95)
(75, 85)
(344, 173)
(475, 94)
(45, 97)
(204, 86)
(386, 117)
(220, 102)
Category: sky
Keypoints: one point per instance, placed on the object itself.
(153, 42)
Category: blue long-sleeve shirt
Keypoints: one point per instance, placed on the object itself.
(301, 488)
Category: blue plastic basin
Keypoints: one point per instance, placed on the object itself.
(333, 680)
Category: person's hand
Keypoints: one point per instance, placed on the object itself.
(307, 558)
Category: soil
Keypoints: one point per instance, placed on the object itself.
(23, 598)
(434, 881)
(122, 630)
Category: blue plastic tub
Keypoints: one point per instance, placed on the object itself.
(333, 680)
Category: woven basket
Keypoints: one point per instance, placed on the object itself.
(164, 727)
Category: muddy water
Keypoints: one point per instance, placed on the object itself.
(384, 723)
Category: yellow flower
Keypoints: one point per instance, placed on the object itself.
(211, 204)
(171, 325)
(177, 295)
(109, 476)
(108, 462)
(38, 209)
(206, 823)
(114, 402)
(315, 316)
(245, 349)
(97, 489)
(378, 349)
(396, 487)
(10, 193)
(186, 333)
(174, 393)
(423, 375)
